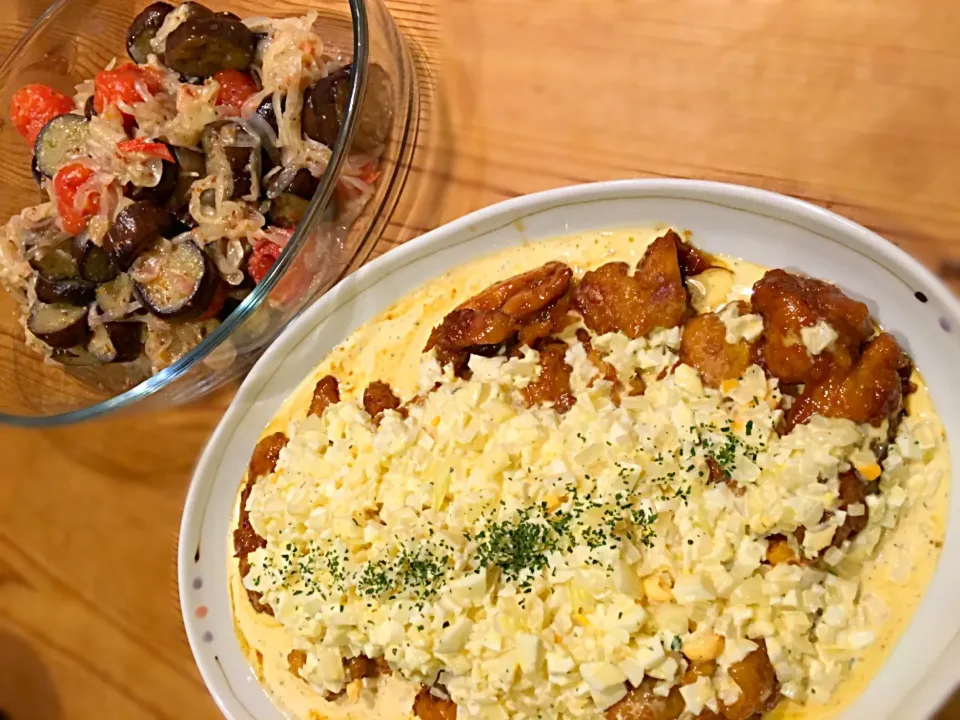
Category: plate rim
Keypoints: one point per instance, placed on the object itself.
(782, 208)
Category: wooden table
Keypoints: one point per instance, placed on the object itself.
(852, 105)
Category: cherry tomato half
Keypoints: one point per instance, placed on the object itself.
(33, 106)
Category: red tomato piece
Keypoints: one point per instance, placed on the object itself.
(235, 87)
(33, 106)
(123, 84)
(66, 184)
(147, 147)
(264, 255)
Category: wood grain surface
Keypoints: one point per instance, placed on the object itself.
(851, 105)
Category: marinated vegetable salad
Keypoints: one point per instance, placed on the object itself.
(171, 184)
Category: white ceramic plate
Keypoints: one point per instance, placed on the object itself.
(763, 227)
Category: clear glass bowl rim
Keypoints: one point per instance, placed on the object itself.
(358, 14)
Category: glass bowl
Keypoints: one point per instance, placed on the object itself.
(69, 43)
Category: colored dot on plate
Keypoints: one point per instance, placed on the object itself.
(208, 636)
(945, 324)
(201, 612)
(197, 583)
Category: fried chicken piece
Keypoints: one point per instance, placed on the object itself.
(427, 706)
(852, 491)
(869, 392)
(552, 385)
(610, 299)
(546, 322)
(607, 371)
(522, 308)
(704, 346)
(263, 461)
(788, 303)
(758, 685)
(326, 393)
(355, 668)
(378, 398)
(525, 294)
(640, 703)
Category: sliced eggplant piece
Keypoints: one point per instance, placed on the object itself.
(227, 145)
(59, 326)
(54, 263)
(62, 138)
(323, 106)
(183, 280)
(287, 210)
(192, 167)
(165, 187)
(89, 108)
(202, 46)
(144, 28)
(117, 342)
(266, 111)
(376, 113)
(94, 263)
(70, 291)
(304, 184)
(227, 15)
(133, 230)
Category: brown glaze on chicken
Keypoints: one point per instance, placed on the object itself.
(640, 703)
(378, 398)
(552, 385)
(758, 685)
(325, 394)
(788, 303)
(869, 392)
(427, 706)
(693, 260)
(704, 346)
(610, 299)
(263, 461)
(523, 309)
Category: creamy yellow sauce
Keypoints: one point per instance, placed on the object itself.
(388, 348)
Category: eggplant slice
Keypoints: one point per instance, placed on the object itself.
(287, 210)
(202, 46)
(183, 284)
(93, 262)
(165, 187)
(54, 263)
(70, 291)
(133, 230)
(144, 28)
(62, 138)
(59, 326)
(229, 148)
(192, 167)
(117, 342)
(325, 106)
